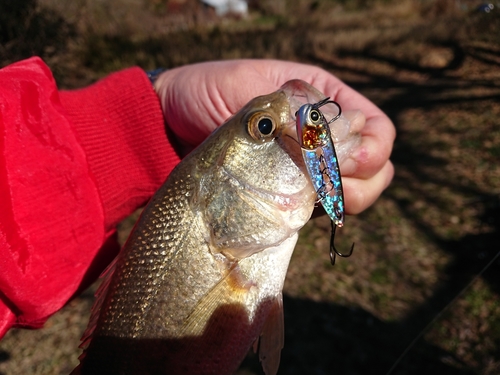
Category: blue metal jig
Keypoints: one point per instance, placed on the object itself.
(322, 164)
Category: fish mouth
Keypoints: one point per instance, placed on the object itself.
(298, 93)
(282, 202)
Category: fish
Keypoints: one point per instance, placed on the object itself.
(199, 281)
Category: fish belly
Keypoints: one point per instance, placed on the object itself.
(170, 306)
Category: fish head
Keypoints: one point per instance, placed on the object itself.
(254, 190)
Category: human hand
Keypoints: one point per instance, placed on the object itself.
(197, 98)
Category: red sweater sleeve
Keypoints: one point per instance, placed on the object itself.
(72, 165)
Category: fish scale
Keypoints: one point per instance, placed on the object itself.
(150, 248)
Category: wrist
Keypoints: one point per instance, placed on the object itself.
(154, 74)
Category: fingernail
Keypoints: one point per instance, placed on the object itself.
(357, 119)
(351, 114)
(348, 167)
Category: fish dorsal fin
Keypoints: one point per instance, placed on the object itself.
(100, 295)
(272, 338)
(231, 289)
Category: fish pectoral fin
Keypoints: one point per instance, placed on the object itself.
(272, 338)
(232, 289)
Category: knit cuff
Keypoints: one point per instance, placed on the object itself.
(120, 126)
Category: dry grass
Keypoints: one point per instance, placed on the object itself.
(435, 69)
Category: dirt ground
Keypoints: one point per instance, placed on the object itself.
(417, 279)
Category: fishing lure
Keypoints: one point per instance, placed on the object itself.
(322, 164)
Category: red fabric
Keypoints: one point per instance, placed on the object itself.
(72, 165)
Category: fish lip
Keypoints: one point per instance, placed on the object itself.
(284, 202)
(299, 92)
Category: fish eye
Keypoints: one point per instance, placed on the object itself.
(314, 115)
(265, 126)
(261, 126)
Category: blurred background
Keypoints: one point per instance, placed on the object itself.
(432, 66)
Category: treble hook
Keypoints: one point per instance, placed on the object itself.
(333, 250)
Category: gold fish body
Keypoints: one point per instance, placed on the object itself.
(201, 275)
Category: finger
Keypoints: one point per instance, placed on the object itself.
(376, 146)
(360, 194)
(376, 129)
(356, 118)
(357, 122)
(375, 149)
(239, 82)
(378, 134)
